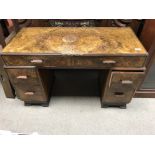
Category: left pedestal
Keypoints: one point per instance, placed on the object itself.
(32, 85)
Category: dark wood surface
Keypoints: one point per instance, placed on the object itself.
(4, 32)
(7, 87)
(2, 37)
(147, 37)
(135, 24)
(32, 69)
(76, 41)
(30, 84)
(75, 61)
(120, 87)
(148, 34)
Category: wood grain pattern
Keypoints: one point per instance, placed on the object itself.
(30, 89)
(76, 41)
(33, 50)
(75, 61)
(116, 92)
(4, 79)
(36, 88)
(30, 73)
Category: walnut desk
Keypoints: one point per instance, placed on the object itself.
(33, 55)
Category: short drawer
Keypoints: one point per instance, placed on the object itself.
(23, 76)
(126, 79)
(32, 94)
(75, 61)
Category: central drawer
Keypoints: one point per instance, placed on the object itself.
(75, 61)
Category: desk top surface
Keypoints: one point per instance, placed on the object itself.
(75, 41)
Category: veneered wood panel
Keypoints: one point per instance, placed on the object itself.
(76, 41)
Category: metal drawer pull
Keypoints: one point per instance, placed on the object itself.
(108, 62)
(39, 61)
(29, 93)
(127, 82)
(21, 77)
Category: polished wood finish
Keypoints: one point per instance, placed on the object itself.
(34, 87)
(23, 75)
(27, 89)
(120, 87)
(32, 56)
(75, 61)
(76, 41)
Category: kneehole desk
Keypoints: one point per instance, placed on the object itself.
(34, 54)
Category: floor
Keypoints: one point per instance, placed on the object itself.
(77, 115)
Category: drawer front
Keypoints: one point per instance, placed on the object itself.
(109, 61)
(31, 93)
(126, 78)
(75, 61)
(122, 86)
(38, 60)
(22, 76)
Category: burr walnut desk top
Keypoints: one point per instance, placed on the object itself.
(76, 41)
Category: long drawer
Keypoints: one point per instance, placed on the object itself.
(75, 61)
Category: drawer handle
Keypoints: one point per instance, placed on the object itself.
(29, 93)
(22, 77)
(38, 61)
(108, 62)
(119, 94)
(126, 82)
